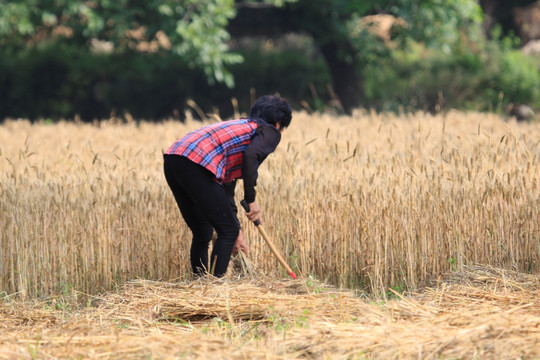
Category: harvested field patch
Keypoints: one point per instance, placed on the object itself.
(480, 312)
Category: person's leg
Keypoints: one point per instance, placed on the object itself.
(224, 222)
(212, 203)
(199, 226)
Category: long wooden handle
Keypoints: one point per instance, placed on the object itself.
(274, 250)
(245, 205)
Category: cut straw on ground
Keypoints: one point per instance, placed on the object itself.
(481, 312)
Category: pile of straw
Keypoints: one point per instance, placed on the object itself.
(480, 312)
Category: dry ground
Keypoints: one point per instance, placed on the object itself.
(478, 313)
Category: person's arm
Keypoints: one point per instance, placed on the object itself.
(264, 142)
(240, 243)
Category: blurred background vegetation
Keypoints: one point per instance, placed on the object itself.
(67, 59)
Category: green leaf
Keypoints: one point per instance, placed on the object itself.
(166, 10)
(49, 19)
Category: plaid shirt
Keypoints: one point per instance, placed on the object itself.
(218, 147)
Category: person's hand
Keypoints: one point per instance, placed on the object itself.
(254, 212)
(240, 244)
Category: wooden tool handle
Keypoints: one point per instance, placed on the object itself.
(245, 205)
(274, 250)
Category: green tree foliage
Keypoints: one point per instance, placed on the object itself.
(437, 54)
(195, 28)
(440, 24)
(350, 46)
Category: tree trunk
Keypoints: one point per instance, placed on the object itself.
(347, 84)
(271, 22)
(502, 12)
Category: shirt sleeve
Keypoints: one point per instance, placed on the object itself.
(264, 142)
(229, 191)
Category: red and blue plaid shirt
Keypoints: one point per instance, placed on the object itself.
(218, 147)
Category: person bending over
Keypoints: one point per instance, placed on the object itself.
(202, 167)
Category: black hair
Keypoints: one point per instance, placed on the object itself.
(273, 110)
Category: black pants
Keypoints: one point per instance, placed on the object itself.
(204, 206)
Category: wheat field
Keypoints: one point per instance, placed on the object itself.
(371, 201)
